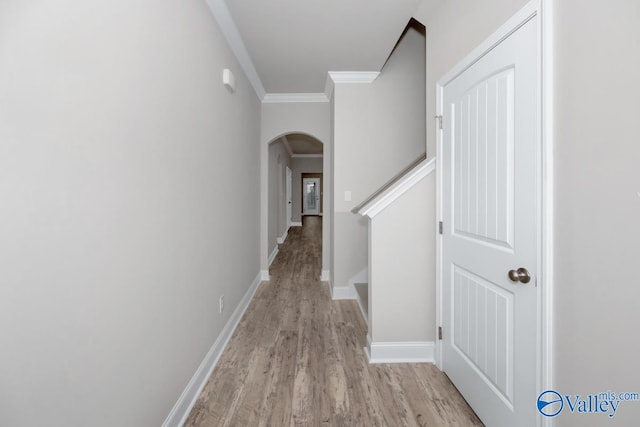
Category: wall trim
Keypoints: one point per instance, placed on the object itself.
(400, 352)
(230, 32)
(307, 156)
(189, 396)
(547, 256)
(264, 275)
(388, 196)
(282, 238)
(334, 77)
(283, 98)
(273, 255)
(343, 293)
(296, 223)
(354, 76)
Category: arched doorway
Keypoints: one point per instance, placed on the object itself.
(295, 185)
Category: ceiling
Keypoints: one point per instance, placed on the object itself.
(301, 144)
(294, 43)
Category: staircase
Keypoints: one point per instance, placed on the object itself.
(396, 302)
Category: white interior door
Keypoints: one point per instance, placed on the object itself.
(288, 197)
(311, 196)
(490, 209)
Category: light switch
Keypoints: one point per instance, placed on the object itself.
(347, 196)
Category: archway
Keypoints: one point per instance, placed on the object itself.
(300, 153)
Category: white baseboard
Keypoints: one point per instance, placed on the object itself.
(189, 396)
(264, 275)
(273, 255)
(296, 224)
(281, 239)
(400, 352)
(343, 292)
(325, 276)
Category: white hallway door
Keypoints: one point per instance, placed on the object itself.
(490, 208)
(311, 196)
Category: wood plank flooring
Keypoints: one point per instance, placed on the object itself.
(297, 359)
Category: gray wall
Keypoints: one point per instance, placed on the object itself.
(123, 218)
(279, 159)
(379, 129)
(398, 309)
(597, 220)
(300, 165)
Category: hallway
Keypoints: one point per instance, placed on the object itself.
(297, 358)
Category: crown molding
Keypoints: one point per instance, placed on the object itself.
(328, 86)
(230, 32)
(353, 76)
(335, 77)
(277, 98)
(306, 156)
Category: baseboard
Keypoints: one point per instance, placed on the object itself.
(273, 255)
(325, 276)
(189, 396)
(264, 275)
(400, 352)
(343, 292)
(296, 224)
(281, 239)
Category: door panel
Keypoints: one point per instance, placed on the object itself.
(483, 135)
(490, 157)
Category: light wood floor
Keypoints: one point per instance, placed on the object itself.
(297, 358)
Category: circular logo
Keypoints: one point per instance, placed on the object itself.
(550, 403)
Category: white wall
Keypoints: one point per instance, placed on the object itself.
(400, 305)
(124, 213)
(300, 165)
(597, 159)
(378, 130)
(279, 159)
(311, 118)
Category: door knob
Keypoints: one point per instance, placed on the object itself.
(520, 275)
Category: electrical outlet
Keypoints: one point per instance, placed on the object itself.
(221, 303)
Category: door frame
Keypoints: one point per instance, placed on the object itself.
(544, 334)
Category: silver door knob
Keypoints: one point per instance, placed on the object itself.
(520, 275)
